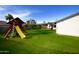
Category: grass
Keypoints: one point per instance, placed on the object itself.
(40, 42)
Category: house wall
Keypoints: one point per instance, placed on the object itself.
(3, 28)
(68, 27)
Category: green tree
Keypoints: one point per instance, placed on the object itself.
(9, 17)
(28, 22)
(33, 22)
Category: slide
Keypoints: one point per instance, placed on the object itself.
(20, 32)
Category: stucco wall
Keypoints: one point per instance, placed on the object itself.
(68, 27)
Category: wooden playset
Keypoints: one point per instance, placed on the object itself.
(15, 24)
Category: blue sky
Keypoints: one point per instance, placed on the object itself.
(40, 13)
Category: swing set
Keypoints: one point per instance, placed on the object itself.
(15, 24)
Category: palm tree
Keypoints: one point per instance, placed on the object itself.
(9, 17)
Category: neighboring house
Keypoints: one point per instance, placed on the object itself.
(26, 27)
(68, 25)
(43, 26)
(3, 26)
(47, 25)
(54, 26)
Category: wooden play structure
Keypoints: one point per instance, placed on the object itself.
(15, 24)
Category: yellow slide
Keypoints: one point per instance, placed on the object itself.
(20, 32)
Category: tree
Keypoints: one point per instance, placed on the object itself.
(28, 22)
(9, 17)
(33, 22)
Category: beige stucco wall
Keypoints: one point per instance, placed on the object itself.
(68, 27)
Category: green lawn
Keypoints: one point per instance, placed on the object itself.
(42, 42)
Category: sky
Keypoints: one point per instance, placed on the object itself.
(40, 13)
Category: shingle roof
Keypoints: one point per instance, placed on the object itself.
(19, 20)
(66, 18)
(3, 23)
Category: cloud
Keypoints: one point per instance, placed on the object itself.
(17, 11)
(21, 14)
(2, 8)
(2, 19)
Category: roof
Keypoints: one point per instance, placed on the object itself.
(66, 18)
(19, 20)
(46, 23)
(3, 23)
